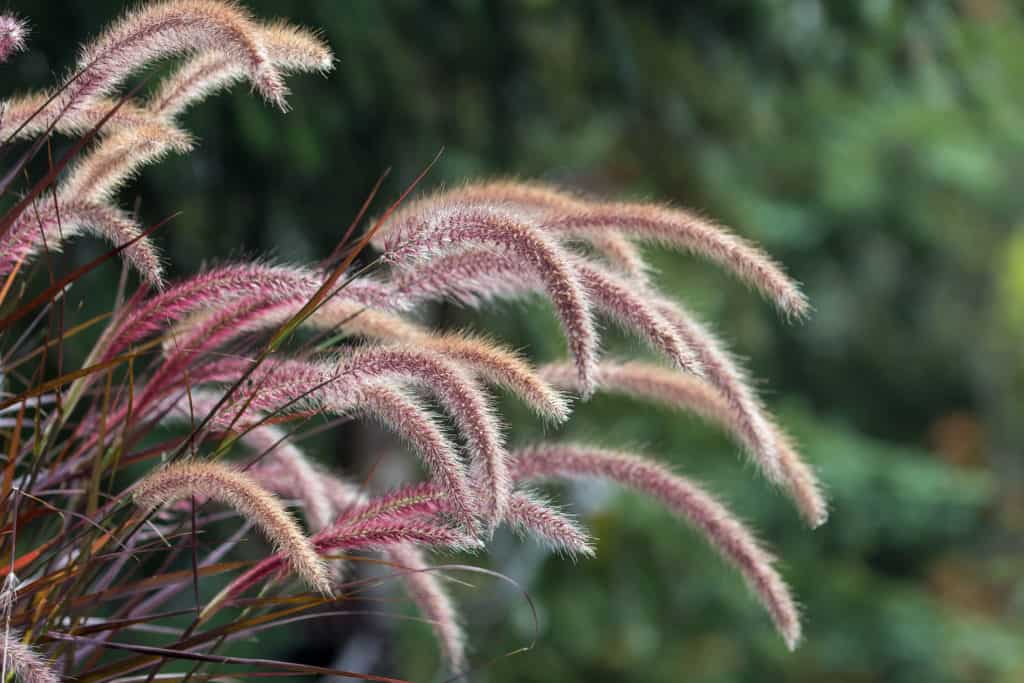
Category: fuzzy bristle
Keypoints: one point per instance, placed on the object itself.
(13, 34)
(461, 397)
(686, 392)
(48, 223)
(239, 491)
(723, 531)
(537, 255)
(23, 661)
(233, 362)
(529, 513)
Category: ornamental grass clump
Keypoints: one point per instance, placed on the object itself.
(186, 409)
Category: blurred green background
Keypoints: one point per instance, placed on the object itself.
(876, 148)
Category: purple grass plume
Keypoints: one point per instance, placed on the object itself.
(237, 490)
(721, 529)
(192, 405)
(13, 35)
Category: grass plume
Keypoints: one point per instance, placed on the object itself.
(13, 36)
(200, 389)
(723, 531)
(184, 479)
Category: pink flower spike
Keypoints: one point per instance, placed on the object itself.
(297, 475)
(143, 35)
(269, 309)
(686, 230)
(571, 216)
(492, 362)
(170, 28)
(365, 534)
(530, 514)
(282, 469)
(97, 176)
(289, 49)
(424, 500)
(615, 297)
(400, 413)
(676, 390)
(45, 225)
(278, 476)
(495, 364)
(22, 121)
(461, 398)
(13, 32)
(369, 384)
(534, 201)
(726, 374)
(501, 367)
(624, 256)
(237, 490)
(476, 276)
(23, 660)
(380, 534)
(471, 278)
(723, 531)
(451, 226)
(207, 291)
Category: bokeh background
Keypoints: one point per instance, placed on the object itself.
(876, 148)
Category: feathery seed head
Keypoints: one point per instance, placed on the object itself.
(29, 116)
(22, 659)
(49, 223)
(210, 290)
(290, 49)
(454, 226)
(608, 225)
(236, 489)
(725, 373)
(397, 410)
(175, 27)
(80, 205)
(283, 468)
(686, 230)
(723, 531)
(540, 201)
(618, 299)
(100, 174)
(294, 49)
(529, 513)
(380, 534)
(499, 366)
(686, 392)
(13, 33)
(369, 382)
(356, 531)
(462, 399)
(478, 275)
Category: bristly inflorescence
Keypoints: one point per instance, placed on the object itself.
(226, 46)
(17, 656)
(13, 34)
(23, 661)
(201, 361)
(185, 479)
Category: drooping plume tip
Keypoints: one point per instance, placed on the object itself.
(239, 491)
